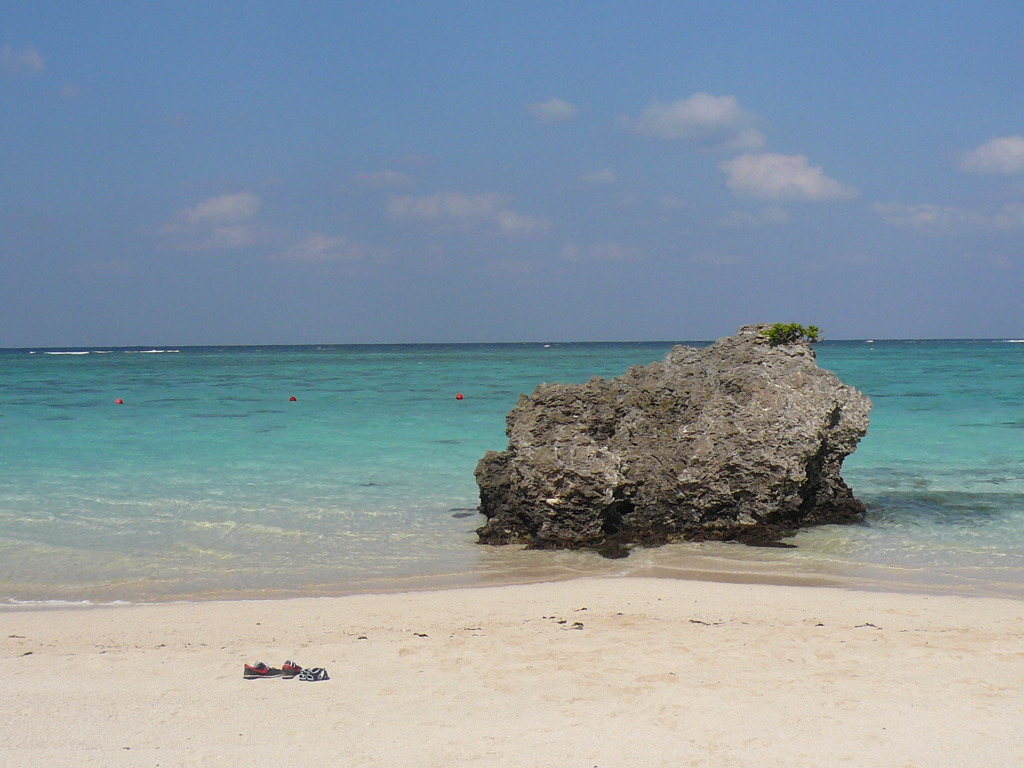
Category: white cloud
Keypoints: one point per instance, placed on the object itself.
(552, 111)
(610, 251)
(780, 178)
(456, 211)
(228, 237)
(943, 219)
(239, 206)
(1010, 216)
(1000, 155)
(445, 206)
(27, 60)
(512, 223)
(773, 214)
(603, 176)
(321, 249)
(223, 222)
(716, 122)
(385, 179)
(923, 216)
(70, 92)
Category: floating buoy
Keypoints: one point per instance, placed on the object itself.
(458, 396)
(293, 399)
(119, 401)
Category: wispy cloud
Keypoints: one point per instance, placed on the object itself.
(520, 224)
(714, 122)
(943, 219)
(318, 248)
(921, 216)
(552, 111)
(222, 222)
(454, 211)
(608, 251)
(716, 259)
(780, 178)
(444, 206)
(603, 176)
(672, 203)
(384, 179)
(1004, 155)
(239, 206)
(771, 215)
(25, 60)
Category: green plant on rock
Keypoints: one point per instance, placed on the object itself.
(791, 333)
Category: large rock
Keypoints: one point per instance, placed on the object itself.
(741, 440)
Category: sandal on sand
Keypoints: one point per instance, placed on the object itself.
(290, 669)
(260, 669)
(314, 675)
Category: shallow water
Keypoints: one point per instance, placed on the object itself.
(209, 481)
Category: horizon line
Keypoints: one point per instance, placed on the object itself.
(176, 347)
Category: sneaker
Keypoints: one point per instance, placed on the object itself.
(260, 670)
(316, 674)
(290, 669)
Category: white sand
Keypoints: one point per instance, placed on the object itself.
(657, 672)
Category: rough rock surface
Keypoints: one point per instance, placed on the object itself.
(741, 440)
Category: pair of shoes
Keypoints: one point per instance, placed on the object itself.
(314, 675)
(258, 670)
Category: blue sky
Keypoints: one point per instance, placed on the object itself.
(317, 172)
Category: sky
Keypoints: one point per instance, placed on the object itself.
(352, 172)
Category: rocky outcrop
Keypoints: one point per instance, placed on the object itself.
(742, 440)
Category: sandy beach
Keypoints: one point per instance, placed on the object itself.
(593, 672)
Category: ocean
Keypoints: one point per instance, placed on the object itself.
(264, 472)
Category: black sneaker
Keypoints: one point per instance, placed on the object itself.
(260, 670)
(290, 670)
(314, 675)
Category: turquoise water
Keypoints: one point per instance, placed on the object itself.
(208, 480)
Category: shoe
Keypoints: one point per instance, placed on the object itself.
(290, 669)
(314, 675)
(260, 669)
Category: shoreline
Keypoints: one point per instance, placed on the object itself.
(510, 565)
(598, 671)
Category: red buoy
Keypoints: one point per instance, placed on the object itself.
(458, 396)
(119, 401)
(293, 399)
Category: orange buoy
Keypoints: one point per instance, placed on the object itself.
(458, 396)
(293, 399)
(119, 401)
